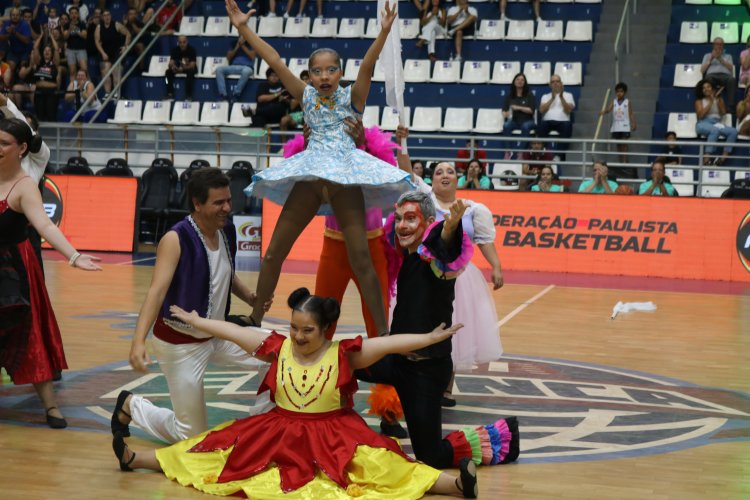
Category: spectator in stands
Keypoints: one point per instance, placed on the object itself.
(743, 114)
(672, 152)
(111, 39)
(28, 16)
(46, 80)
(556, 108)
(163, 18)
(83, 11)
(15, 4)
(623, 124)
(23, 89)
(432, 19)
(302, 5)
(547, 182)
(476, 177)
(519, 107)
(17, 34)
(53, 19)
(273, 101)
(718, 68)
(182, 59)
(241, 58)
(42, 10)
(535, 4)
(418, 168)
(745, 64)
(91, 27)
(471, 150)
(534, 160)
(134, 26)
(710, 108)
(74, 34)
(296, 114)
(659, 184)
(79, 90)
(461, 20)
(599, 184)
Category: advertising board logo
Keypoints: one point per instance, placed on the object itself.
(53, 201)
(743, 242)
(249, 231)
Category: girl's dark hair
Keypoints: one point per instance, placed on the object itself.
(19, 130)
(201, 181)
(324, 310)
(324, 50)
(699, 88)
(481, 166)
(524, 90)
(622, 86)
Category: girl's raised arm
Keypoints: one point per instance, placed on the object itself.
(361, 87)
(291, 82)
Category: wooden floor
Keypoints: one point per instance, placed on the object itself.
(703, 339)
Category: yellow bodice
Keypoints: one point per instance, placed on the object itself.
(308, 389)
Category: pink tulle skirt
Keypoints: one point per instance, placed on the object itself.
(479, 340)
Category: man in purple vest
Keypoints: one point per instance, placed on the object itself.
(194, 270)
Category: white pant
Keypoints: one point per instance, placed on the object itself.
(430, 31)
(184, 366)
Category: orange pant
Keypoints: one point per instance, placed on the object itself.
(334, 274)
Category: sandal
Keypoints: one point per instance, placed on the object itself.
(468, 486)
(119, 447)
(115, 424)
(55, 422)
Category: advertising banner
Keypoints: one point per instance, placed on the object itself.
(248, 235)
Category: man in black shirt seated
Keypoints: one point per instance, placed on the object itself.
(182, 60)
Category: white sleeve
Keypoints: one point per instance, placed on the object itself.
(422, 186)
(570, 99)
(484, 226)
(34, 163)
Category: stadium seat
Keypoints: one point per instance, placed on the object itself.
(217, 26)
(491, 29)
(489, 121)
(682, 180)
(579, 31)
(571, 73)
(507, 176)
(252, 23)
(409, 28)
(504, 71)
(261, 73)
(457, 120)
(446, 72)
(426, 119)
(693, 32)
(714, 183)
(209, 67)
(351, 28)
(185, 113)
(745, 32)
(156, 112)
(127, 112)
(296, 27)
(157, 66)
(683, 124)
(698, 2)
(351, 69)
(77, 165)
(687, 75)
(728, 2)
(389, 120)
(549, 31)
(588, 1)
(191, 26)
(416, 70)
(373, 28)
(476, 72)
(324, 27)
(297, 65)
(237, 118)
(537, 73)
(215, 113)
(520, 30)
(730, 32)
(371, 116)
(115, 167)
(271, 26)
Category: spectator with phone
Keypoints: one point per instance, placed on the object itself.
(274, 101)
(710, 108)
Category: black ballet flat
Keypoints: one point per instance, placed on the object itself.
(55, 422)
(119, 447)
(448, 402)
(115, 423)
(392, 429)
(469, 486)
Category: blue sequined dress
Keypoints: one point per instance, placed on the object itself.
(331, 155)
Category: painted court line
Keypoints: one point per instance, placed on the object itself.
(523, 306)
(153, 257)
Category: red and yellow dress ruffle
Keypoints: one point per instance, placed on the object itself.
(312, 445)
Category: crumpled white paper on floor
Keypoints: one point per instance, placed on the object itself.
(624, 307)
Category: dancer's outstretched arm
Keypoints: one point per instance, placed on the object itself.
(375, 348)
(361, 87)
(249, 338)
(239, 19)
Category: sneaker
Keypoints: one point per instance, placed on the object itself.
(271, 14)
(457, 58)
(393, 429)
(286, 15)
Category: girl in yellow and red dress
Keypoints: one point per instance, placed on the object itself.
(313, 444)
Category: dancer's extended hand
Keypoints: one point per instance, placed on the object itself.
(87, 262)
(441, 332)
(454, 217)
(236, 16)
(387, 16)
(186, 317)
